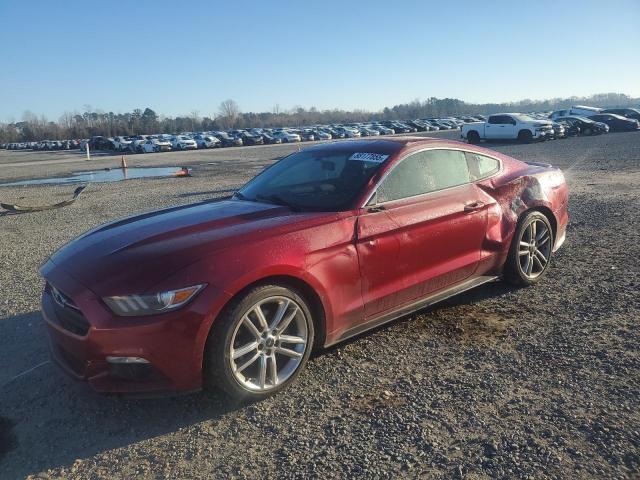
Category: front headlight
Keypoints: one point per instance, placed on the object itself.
(138, 305)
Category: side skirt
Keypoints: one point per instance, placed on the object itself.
(413, 307)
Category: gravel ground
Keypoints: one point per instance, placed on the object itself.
(541, 382)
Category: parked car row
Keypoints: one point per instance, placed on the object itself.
(577, 120)
(250, 136)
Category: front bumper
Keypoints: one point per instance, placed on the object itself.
(543, 134)
(172, 343)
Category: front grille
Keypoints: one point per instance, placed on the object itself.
(67, 313)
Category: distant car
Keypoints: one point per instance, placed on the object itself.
(228, 140)
(419, 125)
(285, 136)
(398, 127)
(207, 141)
(155, 145)
(249, 138)
(349, 132)
(269, 138)
(307, 134)
(625, 112)
(121, 143)
(383, 130)
(368, 132)
(584, 125)
(183, 142)
(577, 110)
(321, 134)
(100, 143)
(617, 123)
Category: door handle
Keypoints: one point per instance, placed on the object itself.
(472, 207)
(377, 208)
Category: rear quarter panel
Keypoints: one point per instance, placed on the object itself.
(519, 187)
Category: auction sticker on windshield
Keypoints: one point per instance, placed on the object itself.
(369, 157)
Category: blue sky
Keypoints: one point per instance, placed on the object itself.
(177, 57)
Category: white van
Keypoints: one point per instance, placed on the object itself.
(575, 110)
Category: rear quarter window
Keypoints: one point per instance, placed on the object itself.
(481, 166)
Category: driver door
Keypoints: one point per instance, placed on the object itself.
(423, 233)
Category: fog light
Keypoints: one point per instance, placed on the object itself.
(130, 368)
(120, 360)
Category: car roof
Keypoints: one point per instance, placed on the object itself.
(387, 146)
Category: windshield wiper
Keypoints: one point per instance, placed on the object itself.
(278, 200)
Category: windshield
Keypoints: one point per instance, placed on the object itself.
(525, 118)
(314, 180)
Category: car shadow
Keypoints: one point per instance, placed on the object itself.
(48, 420)
(470, 297)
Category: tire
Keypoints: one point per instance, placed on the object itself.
(473, 137)
(242, 378)
(522, 271)
(525, 136)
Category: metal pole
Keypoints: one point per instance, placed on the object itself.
(87, 146)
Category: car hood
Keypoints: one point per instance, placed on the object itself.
(135, 253)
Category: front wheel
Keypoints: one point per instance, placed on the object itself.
(260, 343)
(530, 251)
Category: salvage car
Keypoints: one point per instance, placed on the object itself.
(155, 145)
(625, 112)
(207, 141)
(321, 246)
(584, 125)
(183, 142)
(228, 140)
(616, 123)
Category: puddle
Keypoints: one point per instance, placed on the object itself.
(112, 175)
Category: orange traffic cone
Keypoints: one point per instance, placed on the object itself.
(183, 172)
(123, 162)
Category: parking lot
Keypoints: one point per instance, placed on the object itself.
(541, 382)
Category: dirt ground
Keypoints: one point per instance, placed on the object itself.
(541, 382)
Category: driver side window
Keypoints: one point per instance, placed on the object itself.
(424, 172)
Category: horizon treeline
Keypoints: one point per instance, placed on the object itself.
(229, 116)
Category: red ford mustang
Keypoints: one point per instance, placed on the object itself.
(324, 244)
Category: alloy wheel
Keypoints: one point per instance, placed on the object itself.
(534, 249)
(268, 343)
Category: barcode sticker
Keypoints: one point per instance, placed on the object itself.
(369, 157)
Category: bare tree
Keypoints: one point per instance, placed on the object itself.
(229, 112)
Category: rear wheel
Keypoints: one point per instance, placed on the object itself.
(531, 250)
(525, 136)
(473, 137)
(260, 343)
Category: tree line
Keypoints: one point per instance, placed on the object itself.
(138, 121)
